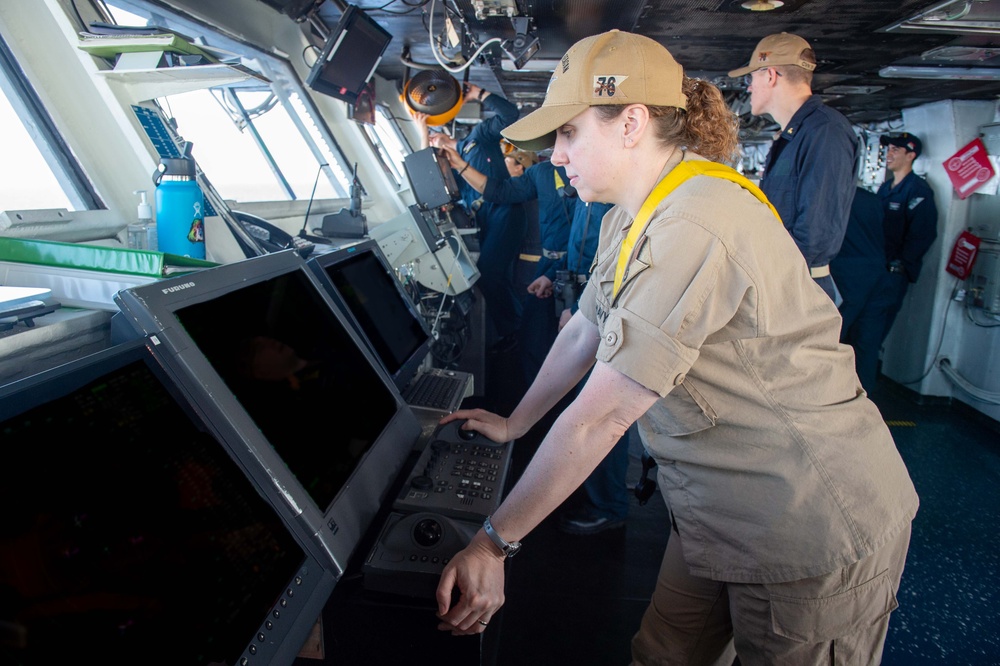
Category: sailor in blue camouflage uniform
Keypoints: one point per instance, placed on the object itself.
(501, 227)
(605, 498)
(542, 182)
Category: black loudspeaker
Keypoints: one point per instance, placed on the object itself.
(344, 224)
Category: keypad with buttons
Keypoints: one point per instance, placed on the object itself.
(456, 477)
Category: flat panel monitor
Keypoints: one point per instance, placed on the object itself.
(350, 55)
(431, 178)
(261, 344)
(130, 536)
(366, 288)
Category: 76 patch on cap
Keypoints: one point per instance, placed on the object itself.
(607, 85)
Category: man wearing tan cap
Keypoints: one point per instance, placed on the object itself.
(809, 173)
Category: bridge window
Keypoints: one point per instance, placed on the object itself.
(38, 169)
(255, 141)
(388, 142)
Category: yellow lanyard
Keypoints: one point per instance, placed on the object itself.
(670, 182)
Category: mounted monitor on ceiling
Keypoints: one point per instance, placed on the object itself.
(349, 57)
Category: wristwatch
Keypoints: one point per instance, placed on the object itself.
(509, 549)
(482, 93)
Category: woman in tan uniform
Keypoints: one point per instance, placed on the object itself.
(790, 506)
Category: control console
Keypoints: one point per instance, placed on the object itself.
(459, 474)
(457, 481)
(412, 551)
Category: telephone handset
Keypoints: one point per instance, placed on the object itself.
(270, 237)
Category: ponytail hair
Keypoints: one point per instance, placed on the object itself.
(708, 126)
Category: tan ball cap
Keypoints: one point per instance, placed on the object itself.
(781, 49)
(611, 68)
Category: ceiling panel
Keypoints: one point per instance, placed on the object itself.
(853, 40)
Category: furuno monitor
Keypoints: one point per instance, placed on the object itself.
(349, 57)
(131, 536)
(361, 281)
(260, 344)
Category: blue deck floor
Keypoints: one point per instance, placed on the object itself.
(950, 593)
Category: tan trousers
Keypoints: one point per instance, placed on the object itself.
(838, 618)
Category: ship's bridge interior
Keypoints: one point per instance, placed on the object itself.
(326, 234)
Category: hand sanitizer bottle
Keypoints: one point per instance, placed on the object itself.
(142, 232)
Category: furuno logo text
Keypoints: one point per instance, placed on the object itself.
(177, 287)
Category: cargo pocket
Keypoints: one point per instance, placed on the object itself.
(828, 618)
(685, 411)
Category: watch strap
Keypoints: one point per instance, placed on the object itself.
(509, 549)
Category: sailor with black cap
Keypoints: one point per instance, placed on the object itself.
(910, 220)
(809, 173)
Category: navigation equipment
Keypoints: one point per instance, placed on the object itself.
(260, 345)
(129, 533)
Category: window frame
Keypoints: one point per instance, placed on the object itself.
(285, 84)
(66, 169)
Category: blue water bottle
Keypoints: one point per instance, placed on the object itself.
(180, 208)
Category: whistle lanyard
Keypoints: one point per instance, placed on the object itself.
(670, 182)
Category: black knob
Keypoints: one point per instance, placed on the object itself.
(422, 482)
(427, 532)
(466, 435)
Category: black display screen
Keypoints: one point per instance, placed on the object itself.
(299, 375)
(374, 299)
(349, 56)
(129, 536)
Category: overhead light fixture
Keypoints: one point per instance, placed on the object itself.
(852, 90)
(918, 72)
(523, 45)
(953, 16)
(960, 53)
(762, 5)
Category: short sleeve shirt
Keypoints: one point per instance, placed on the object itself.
(773, 462)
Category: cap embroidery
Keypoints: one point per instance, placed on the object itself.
(565, 63)
(607, 86)
(763, 56)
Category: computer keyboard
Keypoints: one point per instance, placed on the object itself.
(434, 391)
